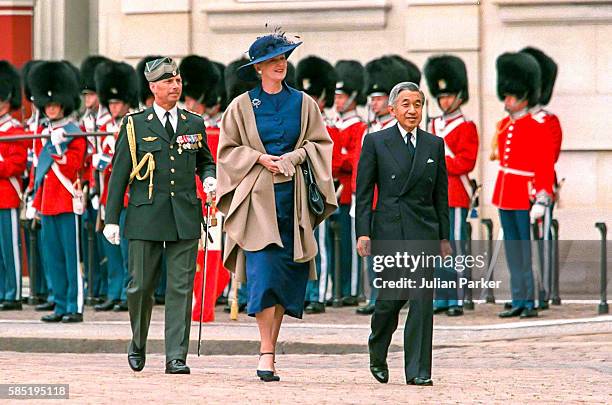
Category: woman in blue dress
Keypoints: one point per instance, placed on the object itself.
(266, 135)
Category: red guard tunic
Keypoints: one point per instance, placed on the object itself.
(107, 147)
(217, 276)
(346, 135)
(526, 163)
(52, 198)
(13, 158)
(461, 146)
(553, 126)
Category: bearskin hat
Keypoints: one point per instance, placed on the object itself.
(411, 71)
(316, 77)
(446, 74)
(382, 74)
(290, 77)
(199, 79)
(25, 72)
(548, 69)
(116, 81)
(87, 72)
(519, 74)
(219, 89)
(235, 86)
(10, 85)
(351, 79)
(55, 82)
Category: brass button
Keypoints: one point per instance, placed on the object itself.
(172, 182)
(171, 157)
(172, 193)
(172, 170)
(171, 146)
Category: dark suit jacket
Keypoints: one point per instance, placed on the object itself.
(174, 211)
(412, 199)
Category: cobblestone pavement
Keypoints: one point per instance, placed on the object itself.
(558, 369)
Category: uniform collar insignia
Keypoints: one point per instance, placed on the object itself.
(150, 117)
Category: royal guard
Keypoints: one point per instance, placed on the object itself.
(446, 77)
(13, 158)
(57, 192)
(550, 123)
(94, 117)
(382, 74)
(348, 127)
(526, 166)
(117, 86)
(317, 78)
(200, 93)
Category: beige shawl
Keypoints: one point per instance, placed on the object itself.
(245, 189)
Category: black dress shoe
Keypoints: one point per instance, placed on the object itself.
(315, 308)
(136, 358)
(380, 373)
(121, 307)
(454, 311)
(160, 300)
(420, 381)
(72, 318)
(365, 310)
(543, 305)
(439, 310)
(267, 375)
(529, 313)
(10, 306)
(52, 318)
(350, 301)
(47, 306)
(508, 305)
(177, 366)
(511, 313)
(106, 305)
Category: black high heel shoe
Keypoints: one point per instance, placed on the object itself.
(267, 375)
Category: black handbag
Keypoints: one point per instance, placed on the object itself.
(315, 199)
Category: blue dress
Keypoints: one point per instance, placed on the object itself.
(273, 277)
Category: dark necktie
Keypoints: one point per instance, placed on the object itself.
(168, 125)
(409, 143)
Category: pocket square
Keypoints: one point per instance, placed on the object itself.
(430, 160)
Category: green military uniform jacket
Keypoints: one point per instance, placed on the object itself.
(174, 211)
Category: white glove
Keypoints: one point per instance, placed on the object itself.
(57, 137)
(210, 185)
(95, 159)
(537, 212)
(30, 210)
(111, 233)
(95, 203)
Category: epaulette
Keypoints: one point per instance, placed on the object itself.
(135, 112)
(192, 112)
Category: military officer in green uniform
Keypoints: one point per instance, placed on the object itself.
(159, 152)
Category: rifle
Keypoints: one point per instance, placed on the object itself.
(25, 137)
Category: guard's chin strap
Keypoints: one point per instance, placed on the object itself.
(348, 102)
(454, 105)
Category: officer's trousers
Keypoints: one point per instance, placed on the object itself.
(10, 255)
(60, 234)
(145, 268)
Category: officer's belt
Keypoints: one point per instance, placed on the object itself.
(518, 172)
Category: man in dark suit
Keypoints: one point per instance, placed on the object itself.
(407, 166)
(159, 152)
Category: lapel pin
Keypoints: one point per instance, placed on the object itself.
(150, 117)
(183, 116)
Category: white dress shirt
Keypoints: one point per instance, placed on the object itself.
(161, 115)
(413, 136)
